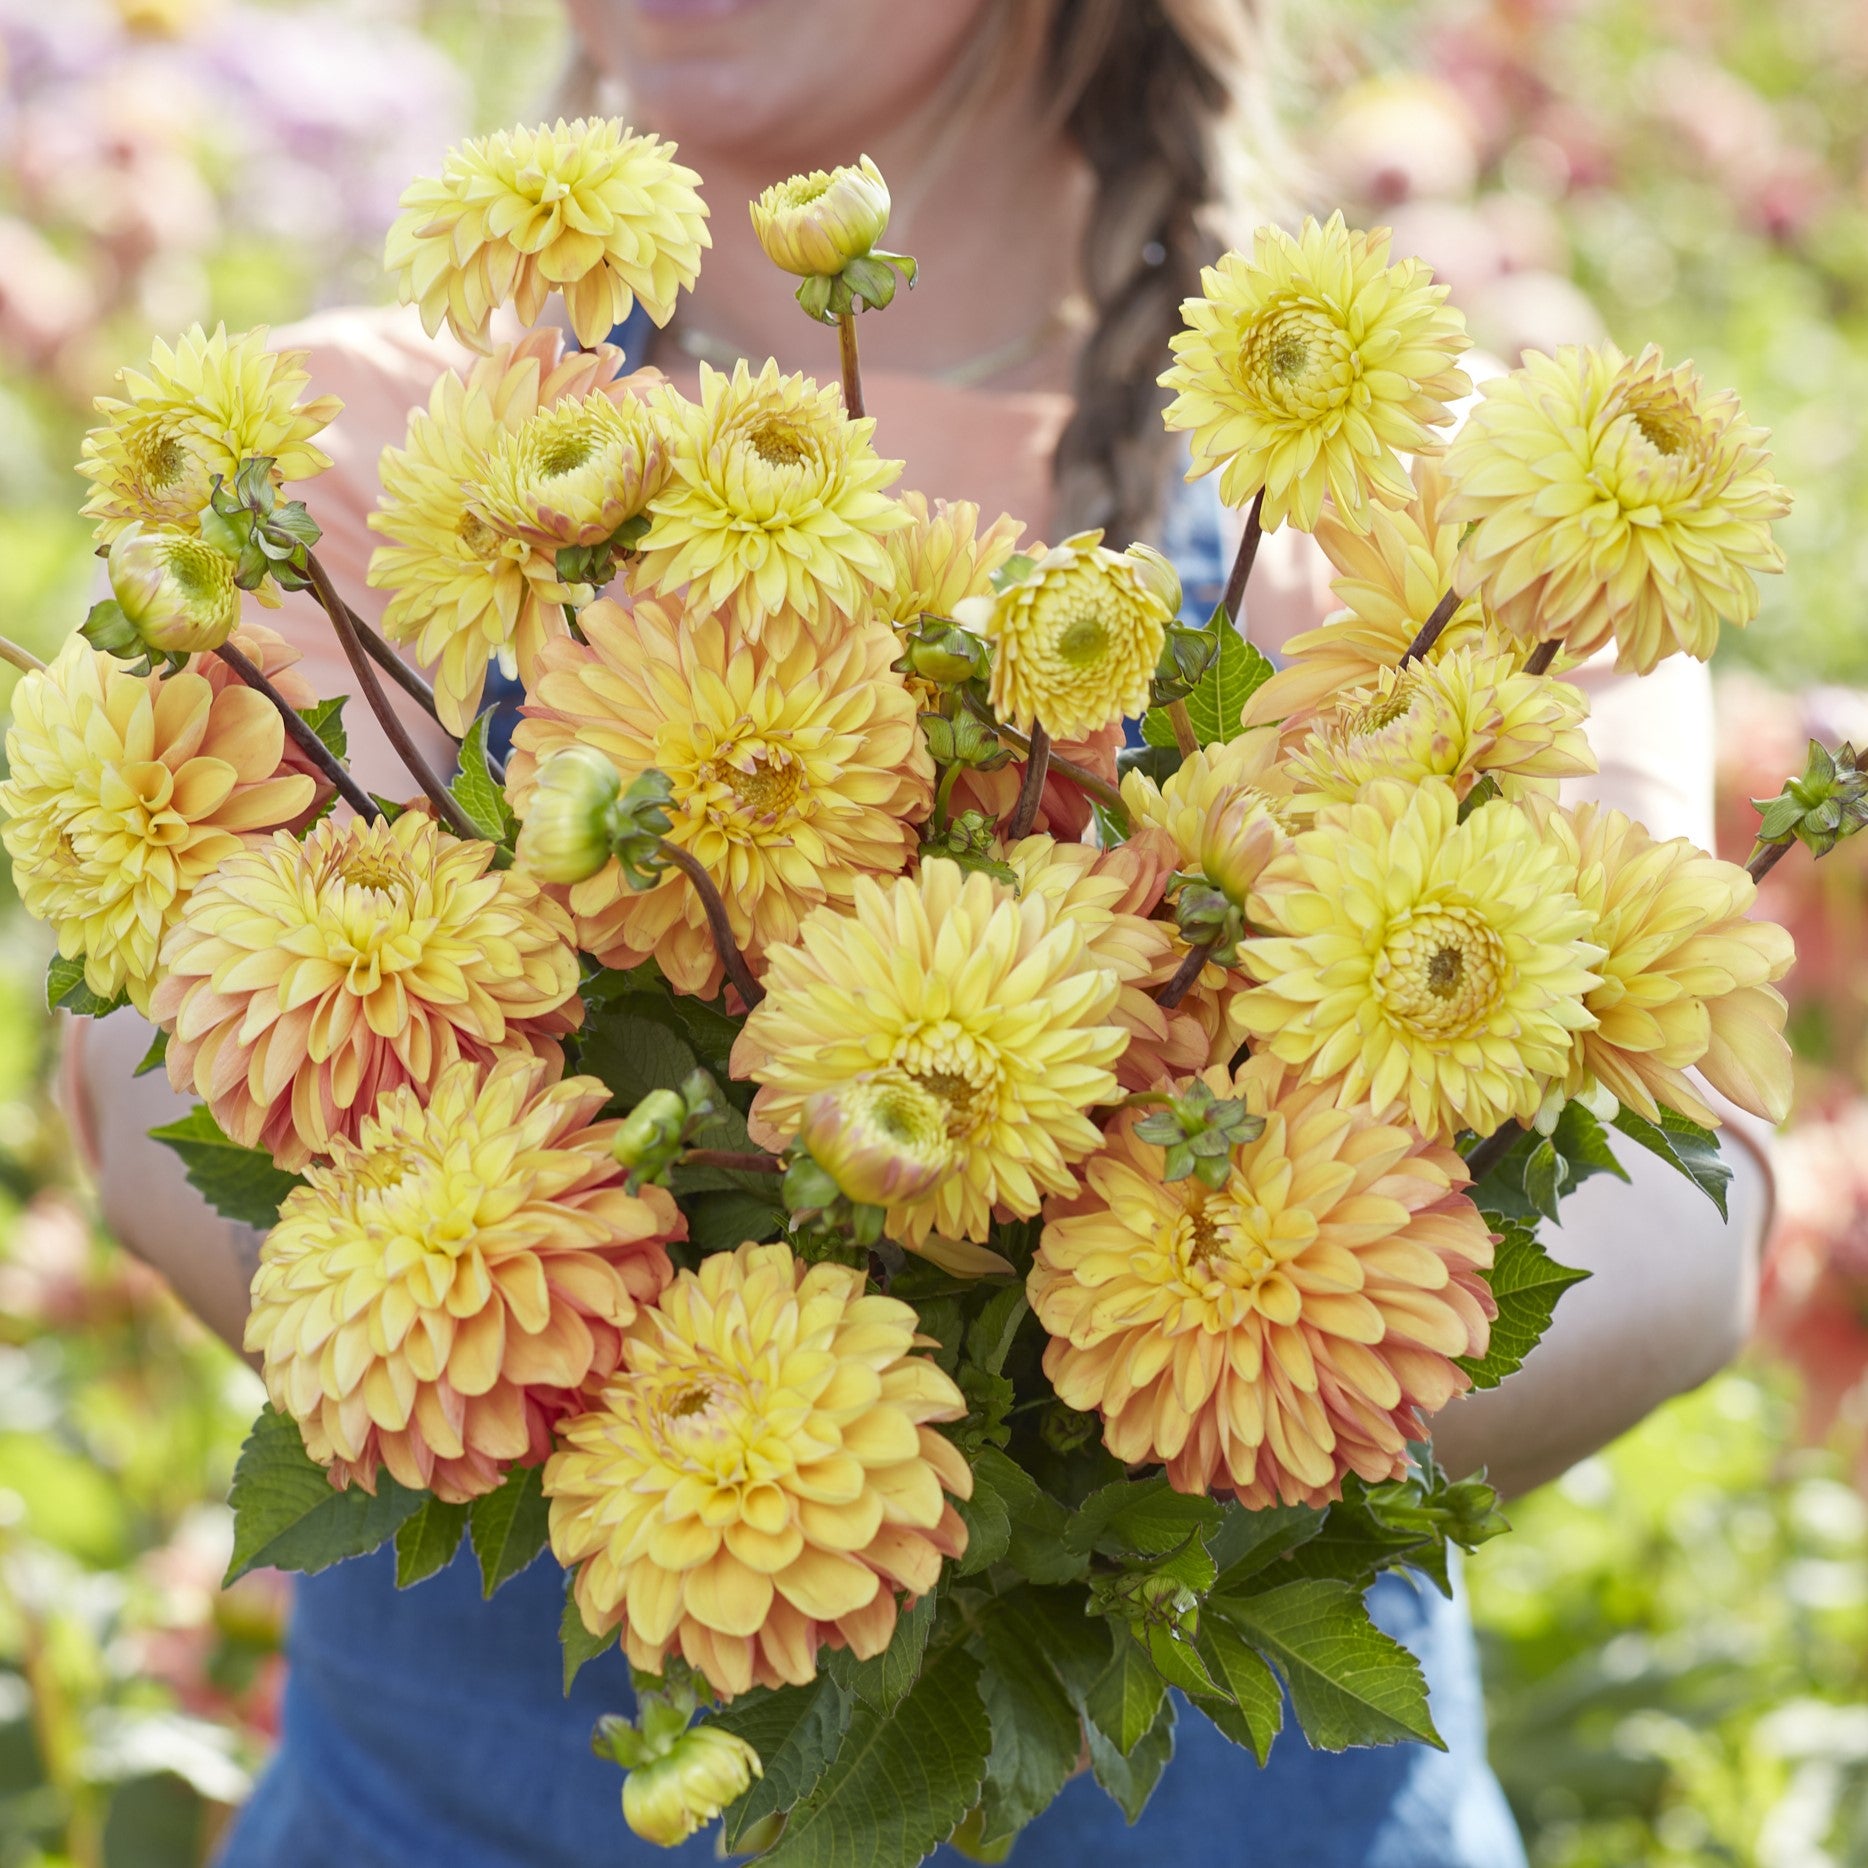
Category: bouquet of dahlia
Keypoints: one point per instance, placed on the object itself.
(944, 1228)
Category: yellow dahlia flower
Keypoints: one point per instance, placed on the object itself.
(463, 592)
(759, 1477)
(573, 473)
(1437, 968)
(435, 1298)
(1310, 367)
(817, 223)
(941, 557)
(200, 408)
(1467, 715)
(1686, 978)
(1390, 577)
(994, 1003)
(588, 208)
(1293, 1326)
(678, 1794)
(123, 792)
(1075, 641)
(1611, 498)
(775, 514)
(306, 981)
(793, 773)
(1207, 779)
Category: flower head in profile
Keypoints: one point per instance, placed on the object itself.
(817, 223)
(1206, 780)
(573, 473)
(774, 515)
(881, 1137)
(1614, 499)
(587, 208)
(1468, 715)
(1687, 978)
(1435, 969)
(992, 1002)
(306, 981)
(760, 1476)
(464, 593)
(941, 557)
(123, 793)
(678, 1794)
(1269, 1336)
(199, 408)
(177, 594)
(1390, 577)
(436, 1296)
(793, 771)
(1310, 367)
(1075, 640)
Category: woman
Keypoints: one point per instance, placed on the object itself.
(1051, 160)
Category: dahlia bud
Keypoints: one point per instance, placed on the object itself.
(1239, 837)
(816, 224)
(651, 1135)
(882, 1138)
(1158, 574)
(670, 1798)
(946, 654)
(566, 833)
(177, 594)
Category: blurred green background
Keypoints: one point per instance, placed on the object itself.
(1676, 1637)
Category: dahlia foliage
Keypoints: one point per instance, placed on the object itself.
(943, 1232)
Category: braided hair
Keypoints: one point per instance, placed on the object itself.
(1165, 100)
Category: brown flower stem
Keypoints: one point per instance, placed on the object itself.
(1765, 860)
(1242, 563)
(300, 731)
(1540, 658)
(1081, 776)
(1184, 736)
(447, 807)
(730, 1161)
(22, 659)
(1031, 792)
(852, 371)
(395, 667)
(1185, 974)
(1488, 1153)
(717, 923)
(1431, 630)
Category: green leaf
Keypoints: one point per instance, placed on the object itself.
(1037, 1550)
(1037, 1736)
(632, 1045)
(1352, 1546)
(65, 990)
(241, 1184)
(900, 1781)
(1156, 762)
(1349, 1683)
(1131, 1780)
(1076, 1644)
(883, 1679)
(1252, 1714)
(726, 1217)
(478, 793)
(796, 1731)
(289, 1516)
(1537, 1172)
(1247, 1541)
(1237, 673)
(1145, 1516)
(1526, 1282)
(1123, 1704)
(427, 1542)
(989, 1338)
(579, 1644)
(155, 1057)
(326, 719)
(1683, 1145)
(1178, 1662)
(509, 1527)
(1002, 1491)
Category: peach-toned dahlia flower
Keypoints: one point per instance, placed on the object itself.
(759, 1477)
(794, 768)
(438, 1295)
(995, 1002)
(941, 557)
(305, 981)
(1293, 1326)
(123, 793)
(1686, 977)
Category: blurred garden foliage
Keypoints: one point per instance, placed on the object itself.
(1677, 1636)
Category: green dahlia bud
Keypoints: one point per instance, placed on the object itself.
(176, 593)
(566, 833)
(816, 224)
(650, 1135)
(668, 1800)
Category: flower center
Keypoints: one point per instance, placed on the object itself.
(1082, 642)
(802, 190)
(1297, 361)
(479, 537)
(1381, 711)
(694, 1398)
(962, 1074)
(778, 444)
(565, 452)
(1442, 972)
(383, 1169)
(765, 785)
(1666, 425)
(200, 572)
(159, 458)
(364, 869)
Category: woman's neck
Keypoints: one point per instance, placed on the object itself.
(992, 209)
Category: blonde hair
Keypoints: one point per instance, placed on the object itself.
(1170, 103)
